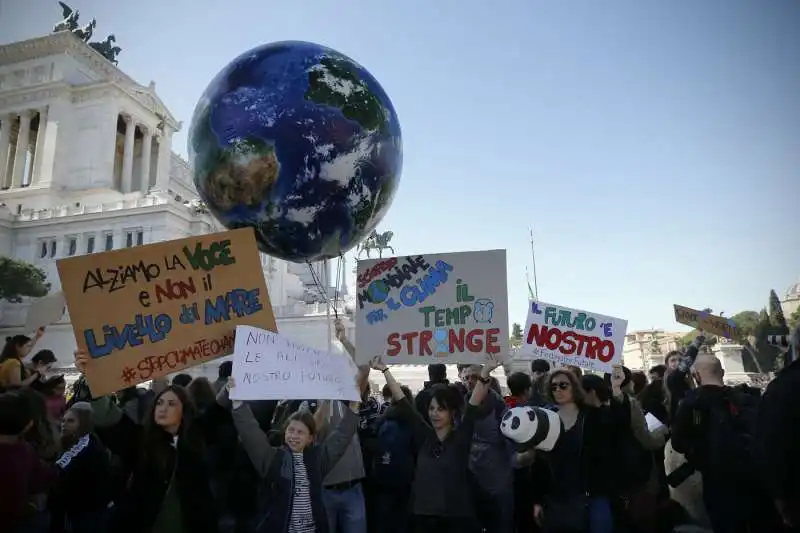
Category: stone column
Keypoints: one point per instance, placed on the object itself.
(23, 140)
(147, 142)
(127, 155)
(5, 146)
(164, 152)
(56, 116)
(38, 153)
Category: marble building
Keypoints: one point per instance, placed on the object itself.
(87, 165)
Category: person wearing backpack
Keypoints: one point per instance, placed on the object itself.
(392, 470)
(714, 428)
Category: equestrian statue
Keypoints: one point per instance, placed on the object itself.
(376, 241)
(107, 49)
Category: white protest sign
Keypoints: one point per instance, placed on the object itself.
(573, 337)
(45, 311)
(267, 366)
(432, 308)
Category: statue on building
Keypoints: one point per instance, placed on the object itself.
(107, 49)
(376, 241)
(85, 33)
(70, 21)
(655, 346)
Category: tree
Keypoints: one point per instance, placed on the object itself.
(516, 335)
(776, 317)
(18, 278)
(746, 322)
(766, 354)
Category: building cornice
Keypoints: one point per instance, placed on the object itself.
(27, 95)
(173, 208)
(66, 43)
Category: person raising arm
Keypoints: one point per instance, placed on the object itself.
(441, 500)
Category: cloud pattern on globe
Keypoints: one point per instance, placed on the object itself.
(301, 143)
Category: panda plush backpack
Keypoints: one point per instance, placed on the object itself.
(531, 427)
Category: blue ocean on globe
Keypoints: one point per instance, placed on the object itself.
(302, 144)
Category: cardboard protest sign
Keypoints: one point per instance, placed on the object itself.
(148, 311)
(433, 308)
(267, 366)
(713, 324)
(573, 337)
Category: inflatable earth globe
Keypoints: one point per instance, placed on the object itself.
(300, 143)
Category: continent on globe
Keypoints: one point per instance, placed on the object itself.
(333, 82)
(300, 143)
(244, 176)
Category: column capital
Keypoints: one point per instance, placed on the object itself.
(128, 119)
(26, 114)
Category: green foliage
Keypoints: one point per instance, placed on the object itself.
(763, 325)
(776, 317)
(18, 278)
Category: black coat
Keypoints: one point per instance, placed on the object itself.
(599, 456)
(778, 439)
(85, 483)
(140, 503)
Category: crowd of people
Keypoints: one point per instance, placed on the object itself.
(182, 457)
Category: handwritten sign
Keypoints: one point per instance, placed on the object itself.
(437, 308)
(716, 325)
(147, 311)
(267, 366)
(573, 337)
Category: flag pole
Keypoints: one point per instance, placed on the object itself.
(533, 258)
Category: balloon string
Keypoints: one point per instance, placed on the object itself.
(339, 274)
(323, 290)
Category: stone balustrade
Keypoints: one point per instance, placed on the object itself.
(85, 209)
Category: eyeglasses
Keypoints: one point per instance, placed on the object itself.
(562, 385)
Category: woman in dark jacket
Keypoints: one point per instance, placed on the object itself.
(574, 483)
(80, 501)
(169, 489)
(292, 473)
(442, 500)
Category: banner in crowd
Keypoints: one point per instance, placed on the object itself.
(573, 337)
(713, 324)
(267, 366)
(432, 308)
(148, 311)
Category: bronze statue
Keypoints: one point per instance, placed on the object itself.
(107, 49)
(376, 241)
(70, 21)
(85, 33)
